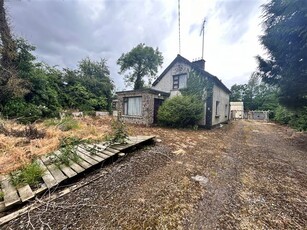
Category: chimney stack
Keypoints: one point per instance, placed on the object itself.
(199, 63)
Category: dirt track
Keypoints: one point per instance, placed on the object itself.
(255, 177)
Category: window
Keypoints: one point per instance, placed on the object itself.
(217, 109)
(133, 106)
(180, 81)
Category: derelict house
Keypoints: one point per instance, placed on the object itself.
(141, 106)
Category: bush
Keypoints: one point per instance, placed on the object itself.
(282, 115)
(296, 119)
(299, 120)
(181, 111)
(22, 111)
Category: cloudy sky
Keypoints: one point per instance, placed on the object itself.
(66, 31)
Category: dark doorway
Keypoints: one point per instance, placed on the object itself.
(157, 104)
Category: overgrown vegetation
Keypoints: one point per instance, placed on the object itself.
(285, 64)
(186, 110)
(68, 151)
(180, 111)
(30, 132)
(30, 90)
(30, 174)
(119, 134)
(65, 124)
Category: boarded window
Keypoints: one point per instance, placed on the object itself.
(133, 106)
(180, 81)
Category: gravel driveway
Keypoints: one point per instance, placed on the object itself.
(245, 175)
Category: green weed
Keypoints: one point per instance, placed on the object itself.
(66, 124)
(30, 174)
(119, 133)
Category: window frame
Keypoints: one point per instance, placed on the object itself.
(126, 106)
(176, 81)
(217, 105)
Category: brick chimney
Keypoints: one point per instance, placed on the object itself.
(199, 63)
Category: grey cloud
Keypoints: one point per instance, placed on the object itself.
(236, 14)
(64, 32)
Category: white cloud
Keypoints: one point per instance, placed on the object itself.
(64, 32)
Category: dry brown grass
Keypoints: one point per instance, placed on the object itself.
(18, 151)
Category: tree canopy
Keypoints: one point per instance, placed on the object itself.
(11, 85)
(255, 95)
(285, 40)
(142, 61)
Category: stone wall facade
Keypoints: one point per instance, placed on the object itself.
(147, 110)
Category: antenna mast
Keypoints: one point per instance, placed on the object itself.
(202, 32)
(179, 44)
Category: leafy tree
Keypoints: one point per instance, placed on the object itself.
(255, 95)
(285, 39)
(142, 61)
(11, 85)
(237, 92)
(95, 77)
(89, 87)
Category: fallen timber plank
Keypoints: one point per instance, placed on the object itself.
(22, 211)
(76, 166)
(109, 153)
(66, 169)
(95, 157)
(110, 149)
(54, 174)
(107, 150)
(49, 180)
(54, 170)
(122, 147)
(10, 194)
(86, 158)
(99, 152)
(42, 188)
(81, 165)
(25, 193)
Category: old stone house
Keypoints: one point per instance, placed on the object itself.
(141, 106)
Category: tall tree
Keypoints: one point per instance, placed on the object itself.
(88, 88)
(285, 39)
(10, 83)
(142, 61)
(255, 95)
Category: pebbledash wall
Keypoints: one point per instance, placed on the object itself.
(222, 114)
(148, 98)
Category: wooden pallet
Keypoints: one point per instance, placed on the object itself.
(89, 156)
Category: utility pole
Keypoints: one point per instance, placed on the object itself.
(202, 32)
(179, 38)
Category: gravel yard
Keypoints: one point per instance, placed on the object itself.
(245, 175)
